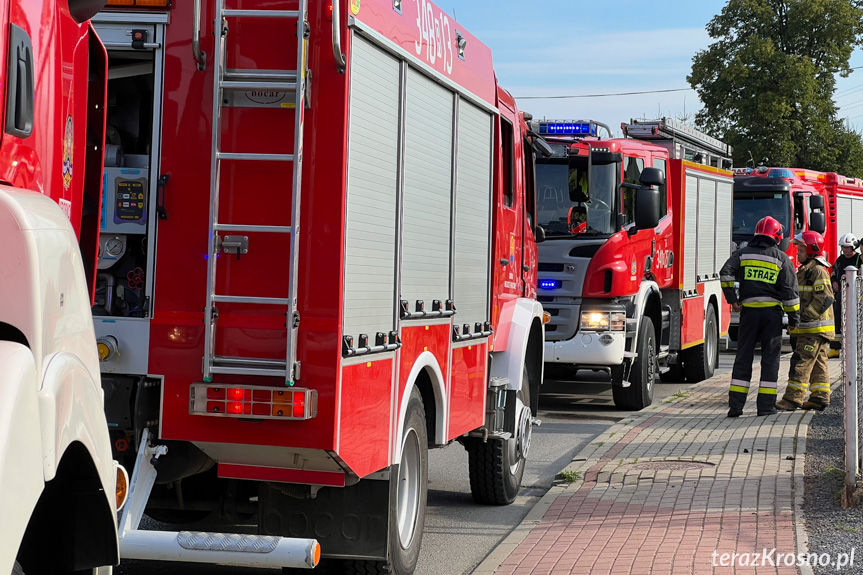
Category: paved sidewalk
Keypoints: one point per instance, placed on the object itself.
(671, 489)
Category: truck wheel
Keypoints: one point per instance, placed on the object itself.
(496, 466)
(407, 516)
(700, 361)
(639, 394)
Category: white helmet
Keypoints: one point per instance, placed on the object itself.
(848, 241)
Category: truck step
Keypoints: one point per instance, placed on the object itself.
(220, 548)
(249, 366)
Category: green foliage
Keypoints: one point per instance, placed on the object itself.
(569, 476)
(767, 82)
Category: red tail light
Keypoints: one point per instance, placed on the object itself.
(254, 402)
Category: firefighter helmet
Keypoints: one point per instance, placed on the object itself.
(848, 241)
(769, 227)
(813, 241)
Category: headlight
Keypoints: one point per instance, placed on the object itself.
(603, 321)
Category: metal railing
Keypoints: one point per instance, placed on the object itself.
(852, 375)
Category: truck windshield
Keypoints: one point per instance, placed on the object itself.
(749, 208)
(570, 206)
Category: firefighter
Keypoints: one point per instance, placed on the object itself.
(815, 331)
(850, 256)
(767, 286)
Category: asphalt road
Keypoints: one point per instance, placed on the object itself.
(458, 533)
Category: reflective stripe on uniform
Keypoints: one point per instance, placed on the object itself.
(731, 279)
(726, 284)
(761, 257)
(771, 384)
(767, 390)
(794, 307)
(797, 385)
(761, 304)
(820, 326)
(739, 386)
(819, 387)
(759, 264)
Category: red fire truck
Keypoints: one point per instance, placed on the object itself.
(801, 200)
(59, 485)
(636, 231)
(317, 261)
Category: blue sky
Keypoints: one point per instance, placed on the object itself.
(575, 47)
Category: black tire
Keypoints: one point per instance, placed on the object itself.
(639, 394)
(404, 554)
(16, 569)
(675, 373)
(496, 466)
(700, 362)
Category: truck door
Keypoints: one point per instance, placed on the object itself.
(529, 249)
(507, 259)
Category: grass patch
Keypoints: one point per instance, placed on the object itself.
(845, 527)
(569, 476)
(830, 470)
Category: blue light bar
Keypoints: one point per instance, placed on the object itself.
(567, 128)
(781, 173)
(549, 284)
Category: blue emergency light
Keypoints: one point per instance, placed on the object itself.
(549, 284)
(780, 173)
(567, 128)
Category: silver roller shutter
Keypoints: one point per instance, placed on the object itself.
(706, 227)
(372, 191)
(724, 222)
(690, 233)
(472, 220)
(427, 191)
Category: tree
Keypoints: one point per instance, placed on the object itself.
(767, 82)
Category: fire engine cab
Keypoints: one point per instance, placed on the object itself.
(317, 261)
(636, 230)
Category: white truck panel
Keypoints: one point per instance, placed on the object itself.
(690, 232)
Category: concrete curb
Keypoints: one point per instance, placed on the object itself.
(509, 543)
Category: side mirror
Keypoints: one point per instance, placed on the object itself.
(652, 177)
(542, 147)
(816, 202)
(783, 245)
(818, 222)
(646, 206)
(539, 234)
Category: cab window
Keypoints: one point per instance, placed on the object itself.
(529, 183)
(632, 168)
(663, 189)
(506, 144)
(799, 214)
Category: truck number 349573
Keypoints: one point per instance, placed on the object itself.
(434, 34)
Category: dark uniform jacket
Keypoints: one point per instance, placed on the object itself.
(765, 276)
(816, 300)
(841, 263)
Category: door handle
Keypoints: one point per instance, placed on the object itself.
(525, 268)
(504, 261)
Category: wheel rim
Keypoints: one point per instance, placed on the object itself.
(712, 344)
(409, 488)
(519, 446)
(651, 364)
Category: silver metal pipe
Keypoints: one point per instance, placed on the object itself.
(200, 56)
(849, 344)
(341, 62)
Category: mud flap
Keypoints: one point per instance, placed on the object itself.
(349, 522)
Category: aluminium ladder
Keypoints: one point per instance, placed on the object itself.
(226, 79)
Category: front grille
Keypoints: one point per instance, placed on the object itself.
(587, 251)
(545, 267)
